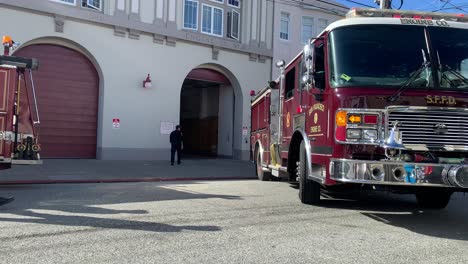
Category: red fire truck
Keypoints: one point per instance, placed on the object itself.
(19, 118)
(379, 100)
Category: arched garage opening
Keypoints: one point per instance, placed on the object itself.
(207, 114)
(67, 87)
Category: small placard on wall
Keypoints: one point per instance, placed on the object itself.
(116, 123)
(166, 128)
(245, 130)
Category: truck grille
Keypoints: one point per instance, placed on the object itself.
(432, 128)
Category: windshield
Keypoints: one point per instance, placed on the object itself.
(377, 55)
(451, 47)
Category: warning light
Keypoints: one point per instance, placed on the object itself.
(341, 118)
(370, 119)
(353, 119)
(299, 109)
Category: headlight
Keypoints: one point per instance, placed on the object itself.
(370, 134)
(353, 133)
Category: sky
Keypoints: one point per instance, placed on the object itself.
(423, 5)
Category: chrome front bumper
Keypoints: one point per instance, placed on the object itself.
(399, 173)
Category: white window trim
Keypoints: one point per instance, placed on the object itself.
(302, 27)
(217, 1)
(64, 3)
(238, 25)
(289, 26)
(234, 5)
(212, 21)
(93, 7)
(326, 24)
(196, 19)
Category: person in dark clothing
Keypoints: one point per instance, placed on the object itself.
(176, 144)
(4, 201)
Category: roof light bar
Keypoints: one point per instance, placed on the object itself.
(373, 12)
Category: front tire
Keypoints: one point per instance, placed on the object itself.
(433, 199)
(262, 175)
(309, 191)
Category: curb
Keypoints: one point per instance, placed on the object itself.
(24, 182)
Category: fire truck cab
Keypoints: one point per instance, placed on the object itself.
(378, 100)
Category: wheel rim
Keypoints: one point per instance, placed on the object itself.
(259, 165)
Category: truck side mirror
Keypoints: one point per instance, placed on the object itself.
(308, 55)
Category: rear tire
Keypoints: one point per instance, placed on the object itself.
(262, 175)
(433, 199)
(309, 191)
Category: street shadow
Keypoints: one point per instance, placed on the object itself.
(402, 211)
(30, 203)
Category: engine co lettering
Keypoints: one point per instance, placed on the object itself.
(424, 22)
(317, 106)
(435, 99)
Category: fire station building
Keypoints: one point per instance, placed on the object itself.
(116, 76)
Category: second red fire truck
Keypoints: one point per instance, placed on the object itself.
(19, 118)
(378, 100)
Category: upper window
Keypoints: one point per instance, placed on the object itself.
(191, 14)
(284, 31)
(212, 20)
(233, 25)
(235, 3)
(69, 2)
(307, 29)
(322, 25)
(219, 1)
(93, 4)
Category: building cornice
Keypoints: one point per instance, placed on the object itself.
(124, 22)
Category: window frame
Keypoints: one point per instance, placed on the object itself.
(318, 24)
(212, 20)
(196, 16)
(92, 7)
(238, 6)
(289, 29)
(64, 3)
(302, 29)
(238, 25)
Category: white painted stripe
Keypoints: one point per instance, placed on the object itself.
(254, 19)
(172, 10)
(121, 4)
(160, 9)
(263, 29)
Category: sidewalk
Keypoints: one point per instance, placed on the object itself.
(89, 171)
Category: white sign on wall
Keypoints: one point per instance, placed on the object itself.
(245, 130)
(116, 123)
(166, 128)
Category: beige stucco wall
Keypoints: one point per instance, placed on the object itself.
(288, 49)
(123, 63)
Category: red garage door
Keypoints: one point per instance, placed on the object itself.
(67, 87)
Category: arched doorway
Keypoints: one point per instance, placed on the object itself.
(207, 114)
(67, 87)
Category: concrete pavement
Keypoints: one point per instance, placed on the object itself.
(87, 171)
(222, 222)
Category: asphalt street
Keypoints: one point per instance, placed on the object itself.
(222, 222)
